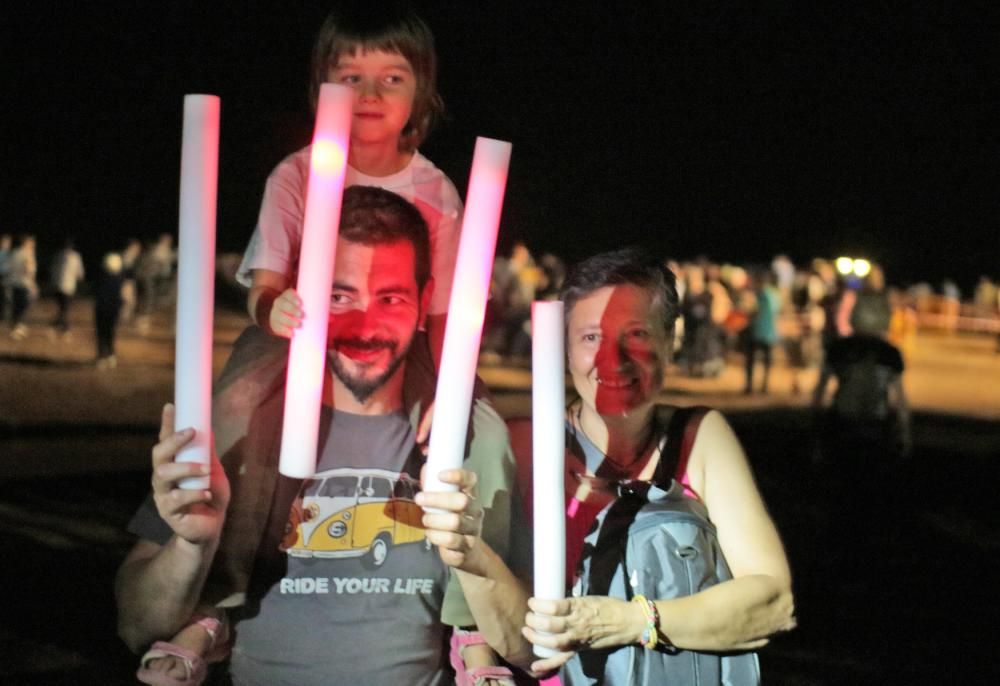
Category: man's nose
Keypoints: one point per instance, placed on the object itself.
(356, 322)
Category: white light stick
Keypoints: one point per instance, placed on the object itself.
(196, 279)
(307, 354)
(466, 310)
(548, 452)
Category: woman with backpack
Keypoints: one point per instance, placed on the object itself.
(678, 572)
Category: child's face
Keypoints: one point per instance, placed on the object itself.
(384, 87)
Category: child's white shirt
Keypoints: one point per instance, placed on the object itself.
(277, 238)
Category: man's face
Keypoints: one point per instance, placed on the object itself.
(375, 309)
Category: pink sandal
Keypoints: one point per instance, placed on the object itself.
(477, 676)
(195, 665)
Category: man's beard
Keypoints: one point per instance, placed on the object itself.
(360, 387)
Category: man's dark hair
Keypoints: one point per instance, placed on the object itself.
(373, 216)
(389, 27)
(627, 266)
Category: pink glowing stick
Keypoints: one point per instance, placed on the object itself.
(307, 355)
(466, 309)
(548, 452)
(196, 278)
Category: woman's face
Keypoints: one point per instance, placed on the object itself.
(617, 349)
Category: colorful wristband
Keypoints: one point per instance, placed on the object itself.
(651, 634)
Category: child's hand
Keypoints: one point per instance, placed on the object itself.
(286, 313)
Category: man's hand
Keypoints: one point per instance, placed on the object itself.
(286, 313)
(456, 529)
(194, 515)
(573, 624)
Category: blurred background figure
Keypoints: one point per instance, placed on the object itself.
(985, 297)
(107, 306)
(720, 309)
(65, 274)
(784, 276)
(130, 259)
(153, 273)
(762, 333)
(903, 323)
(6, 248)
(871, 303)
(553, 273)
(868, 422)
(515, 281)
(741, 305)
(802, 343)
(21, 279)
(951, 305)
(701, 350)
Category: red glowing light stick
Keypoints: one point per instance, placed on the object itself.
(466, 309)
(196, 278)
(307, 354)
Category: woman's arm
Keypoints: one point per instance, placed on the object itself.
(738, 614)
(757, 602)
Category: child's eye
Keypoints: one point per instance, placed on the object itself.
(591, 337)
(394, 79)
(350, 79)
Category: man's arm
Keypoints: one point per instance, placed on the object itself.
(157, 586)
(157, 589)
(496, 598)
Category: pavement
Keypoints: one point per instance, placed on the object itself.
(892, 576)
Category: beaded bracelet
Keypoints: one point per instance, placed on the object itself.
(651, 634)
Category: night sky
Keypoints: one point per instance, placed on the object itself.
(732, 130)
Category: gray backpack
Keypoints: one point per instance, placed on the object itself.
(660, 544)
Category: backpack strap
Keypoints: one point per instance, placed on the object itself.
(681, 432)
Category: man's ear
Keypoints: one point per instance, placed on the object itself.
(425, 301)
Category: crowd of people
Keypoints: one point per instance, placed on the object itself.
(131, 284)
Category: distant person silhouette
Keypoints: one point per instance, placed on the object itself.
(867, 424)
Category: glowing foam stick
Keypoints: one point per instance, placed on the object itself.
(307, 355)
(466, 309)
(196, 278)
(548, 452)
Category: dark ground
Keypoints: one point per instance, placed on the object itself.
(898, 589)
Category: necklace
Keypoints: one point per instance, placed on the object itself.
(620, 466)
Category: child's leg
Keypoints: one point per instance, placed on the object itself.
(183, 659)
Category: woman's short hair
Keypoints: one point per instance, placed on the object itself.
(626, 266)
(389, 27)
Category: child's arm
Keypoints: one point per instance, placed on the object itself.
(272, 305)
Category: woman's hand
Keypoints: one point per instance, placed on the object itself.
(574, 624)
(456, 527)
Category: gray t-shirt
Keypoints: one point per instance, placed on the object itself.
(353, 591)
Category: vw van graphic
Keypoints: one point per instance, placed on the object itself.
(350, 512)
